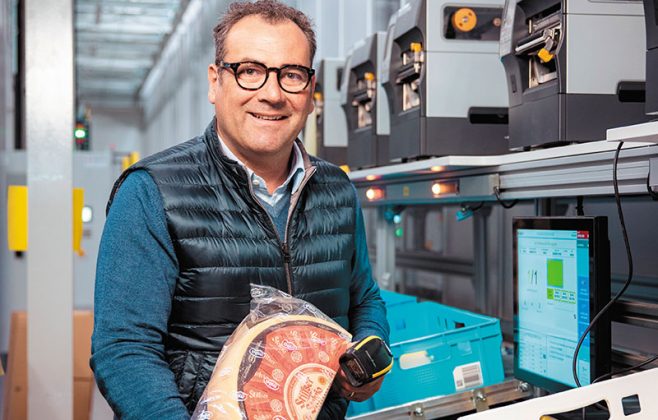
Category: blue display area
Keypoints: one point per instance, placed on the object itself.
(553, 303)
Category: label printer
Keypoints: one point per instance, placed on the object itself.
(444, 80)
(330, 127)
(364, 102)
(574, 69)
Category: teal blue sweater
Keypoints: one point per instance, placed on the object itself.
(135, 280)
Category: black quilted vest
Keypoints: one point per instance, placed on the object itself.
(225, 240)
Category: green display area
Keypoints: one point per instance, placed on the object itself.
(555, 273)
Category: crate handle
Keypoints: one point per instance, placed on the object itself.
(415, 359)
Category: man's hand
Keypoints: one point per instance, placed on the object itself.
(362, 393)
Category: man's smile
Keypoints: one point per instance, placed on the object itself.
(266, 117)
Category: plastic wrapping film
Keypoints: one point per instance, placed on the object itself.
(278, 364)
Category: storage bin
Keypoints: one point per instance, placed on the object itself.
(393, 298)
(438, 350)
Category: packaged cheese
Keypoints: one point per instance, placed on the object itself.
(278, 364)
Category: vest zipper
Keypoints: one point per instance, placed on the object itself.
(283, 245)
(286, 259)
(294, 199)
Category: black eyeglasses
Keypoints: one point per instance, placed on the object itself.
(252, 75)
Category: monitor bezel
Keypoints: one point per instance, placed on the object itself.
(599, 286)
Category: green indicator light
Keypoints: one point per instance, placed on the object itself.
(80, 133)
(398, 232)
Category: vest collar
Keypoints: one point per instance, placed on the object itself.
(212, 141)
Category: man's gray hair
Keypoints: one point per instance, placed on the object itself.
(270, 10)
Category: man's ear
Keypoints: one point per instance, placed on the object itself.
(213, 83)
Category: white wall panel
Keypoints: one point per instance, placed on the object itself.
(116, 129)
(95, 172)
(49, 121)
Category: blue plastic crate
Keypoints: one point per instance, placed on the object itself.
(393, 298)
(438, 350)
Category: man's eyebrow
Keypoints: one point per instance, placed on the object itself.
(243, 59)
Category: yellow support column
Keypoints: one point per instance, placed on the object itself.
(78, 204)
(17, 218)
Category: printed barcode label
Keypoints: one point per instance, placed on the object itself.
(467, 376)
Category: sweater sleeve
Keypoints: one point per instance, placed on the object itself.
(367, 310)
(135, 279)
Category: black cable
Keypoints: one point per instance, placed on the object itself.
(623, 289)
(620, 212)
(505, 205)
(652, 193)
(466, 207)
(652, 359)
(619, 372)
(628, 369)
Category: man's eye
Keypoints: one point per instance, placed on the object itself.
(250, 71)
(293, 76)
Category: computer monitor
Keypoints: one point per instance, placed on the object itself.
(561, 281)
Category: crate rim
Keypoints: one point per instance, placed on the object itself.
(447, 333)
(487, 322)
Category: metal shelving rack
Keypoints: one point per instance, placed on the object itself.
(575, 170)
(568, 171)
(449, 405)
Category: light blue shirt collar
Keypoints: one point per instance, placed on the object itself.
(294, 179)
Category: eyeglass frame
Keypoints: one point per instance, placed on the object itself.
(234, 67)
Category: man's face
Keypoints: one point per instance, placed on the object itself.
(239, 112)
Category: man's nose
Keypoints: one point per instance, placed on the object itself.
(272, 91)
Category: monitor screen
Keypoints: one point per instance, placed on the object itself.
(559, 287)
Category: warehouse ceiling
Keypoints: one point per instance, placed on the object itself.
(117, 44)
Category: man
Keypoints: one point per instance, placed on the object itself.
(189, 229)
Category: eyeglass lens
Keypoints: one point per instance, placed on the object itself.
(253, 76)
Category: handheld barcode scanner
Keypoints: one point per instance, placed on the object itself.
(366, 361)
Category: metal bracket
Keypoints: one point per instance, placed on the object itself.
(481, 185)
(417, 412)
(653, 174)
(480, 400)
